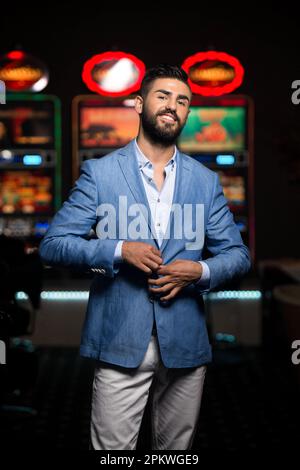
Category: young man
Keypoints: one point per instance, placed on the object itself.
(154, 210)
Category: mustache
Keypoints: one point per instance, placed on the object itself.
(169, 111)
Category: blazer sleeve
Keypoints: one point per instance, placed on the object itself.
(230, 257)
(67, 242)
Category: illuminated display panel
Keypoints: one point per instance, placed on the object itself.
(25, 192)
(233, 188)
(107, 127)
(27, 125)
(214, 129)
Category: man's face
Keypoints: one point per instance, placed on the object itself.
(164, 110)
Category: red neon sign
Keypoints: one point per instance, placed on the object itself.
(16, 55)
(113, 73)
(22, 72)
(217, 73)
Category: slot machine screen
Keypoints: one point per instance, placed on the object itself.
(25, 192)
(24, 125)
(214, 129)
(234, 189)
(107, 127)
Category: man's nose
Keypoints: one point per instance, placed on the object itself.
(173, 105)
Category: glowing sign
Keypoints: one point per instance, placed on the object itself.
(113, 73)
(32, 159)
(225, 159)
(213, 73)
(22, 72)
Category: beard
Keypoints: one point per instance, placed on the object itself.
(165, 133)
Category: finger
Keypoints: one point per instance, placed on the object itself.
(160, 281)
(157, 259)
(151, 264)
(155, 250)
(163, 289)
(172, 294)
(145, 268)
(164, 269)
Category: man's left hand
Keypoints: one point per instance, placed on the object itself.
(175, 276)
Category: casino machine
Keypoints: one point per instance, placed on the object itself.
(219, 132)
(106, 119)
(30, 145)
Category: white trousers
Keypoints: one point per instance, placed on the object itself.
(120, 395)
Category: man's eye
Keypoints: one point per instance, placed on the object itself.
(182, 102)
(161, 97)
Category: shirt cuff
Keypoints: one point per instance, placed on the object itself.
(205, 276)
(118, 255)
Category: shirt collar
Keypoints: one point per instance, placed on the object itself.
(143, 160)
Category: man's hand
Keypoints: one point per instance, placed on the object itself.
(142, 255)
(175, 276)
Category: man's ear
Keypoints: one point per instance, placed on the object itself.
(138, 104)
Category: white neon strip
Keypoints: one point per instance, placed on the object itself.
(235, 294)
(84, 295)
(58, 295)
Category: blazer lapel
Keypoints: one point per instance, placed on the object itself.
(130, 169)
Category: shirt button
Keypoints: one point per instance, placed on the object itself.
(149, 179)
(158, 224)
(158, 200)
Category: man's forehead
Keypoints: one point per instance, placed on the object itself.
(170, 84)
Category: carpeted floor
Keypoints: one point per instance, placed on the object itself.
(250, 401)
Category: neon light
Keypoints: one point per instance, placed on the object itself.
(6, 154)
(216, 56)
(23, 72)
(225, 337)
(96, 60)
(235, 294)
(32, 159)
(225, 159)
(15, 55)
(84, 295)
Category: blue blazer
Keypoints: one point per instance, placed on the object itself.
(120, 311)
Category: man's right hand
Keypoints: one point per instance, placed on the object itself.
(141, 255)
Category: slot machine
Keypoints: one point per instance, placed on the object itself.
(106, 119)
(219, 132)
(30, 147)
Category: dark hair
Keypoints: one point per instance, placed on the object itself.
(162, 71)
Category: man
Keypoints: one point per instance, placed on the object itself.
(145, 322)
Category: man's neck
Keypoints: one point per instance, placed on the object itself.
(156, 153)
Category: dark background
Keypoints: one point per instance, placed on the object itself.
(266, 41)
